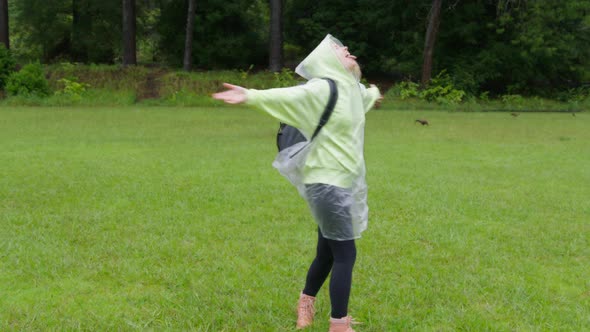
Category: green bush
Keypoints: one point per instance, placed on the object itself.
(6, 65)
(575, 95)
(285, 78)
(72, 89)
(514, 101)
(30, 80)
(440, 90)
(408, 89)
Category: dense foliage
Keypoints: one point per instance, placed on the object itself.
(6, 65)
(227, 34)
(497, 46)
(30, 80)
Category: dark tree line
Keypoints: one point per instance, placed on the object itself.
(4, 35)
(484, 45)
(188, 44)
(276, 36)
(430, 39)
(129, 33)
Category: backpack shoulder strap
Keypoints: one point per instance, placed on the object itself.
(327, 112)
(329, 107)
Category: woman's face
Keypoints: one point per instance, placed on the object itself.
(347, 59)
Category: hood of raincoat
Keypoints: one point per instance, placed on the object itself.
(323, 62)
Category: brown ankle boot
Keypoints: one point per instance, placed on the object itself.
(305, 311)
(341, 324)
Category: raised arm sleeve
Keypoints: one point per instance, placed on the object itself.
(370, 96)
(299, 106)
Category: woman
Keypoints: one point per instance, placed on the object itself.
(333, 167)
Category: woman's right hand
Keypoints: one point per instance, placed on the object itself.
(379, 100)
(233, 95)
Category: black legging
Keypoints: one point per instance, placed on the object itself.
(338, 257)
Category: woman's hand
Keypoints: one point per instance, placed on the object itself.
(379, 100)
(233, 95)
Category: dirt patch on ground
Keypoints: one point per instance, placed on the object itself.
(150, 88)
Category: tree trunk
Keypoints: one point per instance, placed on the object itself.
(78, 45)
(129, 46)
(276, 36)
(149, 4)
(431, 31)
(188, 42)
(4, 36)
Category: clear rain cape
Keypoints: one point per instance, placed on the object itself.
(291, 162)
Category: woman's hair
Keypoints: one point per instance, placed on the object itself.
(356, 71)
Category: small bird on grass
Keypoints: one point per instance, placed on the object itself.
(514, 114)
(422, 122)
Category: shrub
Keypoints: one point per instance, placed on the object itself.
(408, 89)
(72, 89)
(30, 80)
(514, 101)
(285, 78)
(440, 90)
(6, 65)
(575, 95)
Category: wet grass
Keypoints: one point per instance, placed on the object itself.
(173, 219)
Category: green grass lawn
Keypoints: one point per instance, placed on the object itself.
(173, 219)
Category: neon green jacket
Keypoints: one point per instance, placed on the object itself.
(336, 157)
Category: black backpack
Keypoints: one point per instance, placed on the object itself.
(289, 135)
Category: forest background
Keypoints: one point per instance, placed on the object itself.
(524, 54)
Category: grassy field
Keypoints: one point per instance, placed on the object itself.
(173, 219)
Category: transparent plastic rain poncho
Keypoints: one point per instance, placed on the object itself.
(329, 172)
(330, 205)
